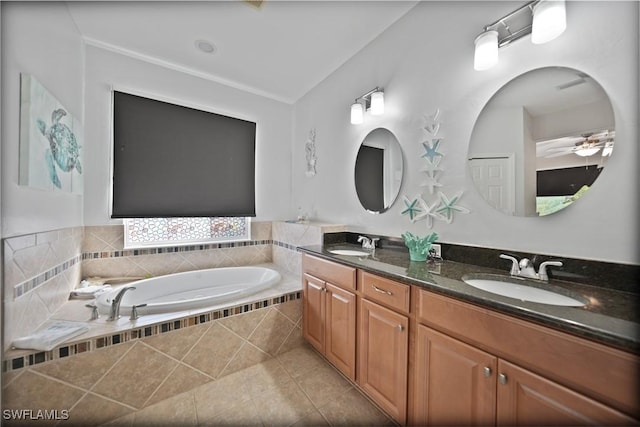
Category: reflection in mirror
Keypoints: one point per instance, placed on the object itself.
(541, 141)
(378, 170)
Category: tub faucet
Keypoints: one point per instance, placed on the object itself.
(367, 242)
(525, 268)
(114, 313)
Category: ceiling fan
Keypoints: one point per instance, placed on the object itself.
(584, 145)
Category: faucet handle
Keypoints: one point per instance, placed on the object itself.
(94, 311)
(515, 268)
(134, 311)
(542, 272)
(373, 241)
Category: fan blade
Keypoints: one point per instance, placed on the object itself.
(565, 149)
(558, 154)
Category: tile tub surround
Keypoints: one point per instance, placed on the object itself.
(115, 380)
(39, 271)
(288, 236)
(103, 333)
(104, 254)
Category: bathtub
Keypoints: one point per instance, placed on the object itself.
(191, 290)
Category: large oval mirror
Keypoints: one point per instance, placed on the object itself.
(541, 141)
(378, 170)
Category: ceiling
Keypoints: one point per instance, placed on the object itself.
(279, 49)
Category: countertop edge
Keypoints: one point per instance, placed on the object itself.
(622, 334)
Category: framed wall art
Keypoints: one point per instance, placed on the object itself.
(50, 141)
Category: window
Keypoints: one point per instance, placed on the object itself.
(173, 161)
(154, 232)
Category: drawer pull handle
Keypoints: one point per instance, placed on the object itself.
(502, 378)
(487, 371)
(400, 328)
(382, 291)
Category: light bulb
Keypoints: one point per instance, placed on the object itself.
(586, 152)
(549, 20)
(377, 103)
(357, 114)
(486, 54)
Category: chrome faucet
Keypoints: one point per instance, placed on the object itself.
(525, 268)
(114, 313)
(368, 243)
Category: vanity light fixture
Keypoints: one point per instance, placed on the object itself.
(543, 19)
(372, 101)
(357, 113)
(486, 54)
(549, 20)
(377, 103)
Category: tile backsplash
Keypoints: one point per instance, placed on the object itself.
(104, 254)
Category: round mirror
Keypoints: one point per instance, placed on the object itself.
(378, 170)
(541, 141)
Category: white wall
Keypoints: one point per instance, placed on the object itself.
(38, 39)
(424, 62)
(107, 69)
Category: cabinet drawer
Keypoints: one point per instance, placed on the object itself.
(604, 373)
(332, 272)
(385, 291)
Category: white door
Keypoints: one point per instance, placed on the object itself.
(494, 178)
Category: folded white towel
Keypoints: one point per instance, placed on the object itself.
(88, 292)
(51, 335)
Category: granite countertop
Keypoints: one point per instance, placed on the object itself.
(609, 316)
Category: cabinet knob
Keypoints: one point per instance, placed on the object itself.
(400, 328)
(323, 289)
(487, 371)
(502, 378)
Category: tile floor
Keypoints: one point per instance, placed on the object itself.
(295, 388)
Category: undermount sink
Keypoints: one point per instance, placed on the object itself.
(348, 252)
(522, 292)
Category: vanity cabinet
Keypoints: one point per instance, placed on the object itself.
(384, 343)
(500, 370)
(527, 398)
(329, 312)
(430, 359)
(384, 348)
(455, 382)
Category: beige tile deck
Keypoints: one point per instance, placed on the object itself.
(271, 393)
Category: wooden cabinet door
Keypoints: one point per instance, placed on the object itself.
(313, 311)
(383, 352)
(340, 329)
(455, 383)
(525, 398)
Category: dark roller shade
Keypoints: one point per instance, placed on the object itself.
(175, 161)
(566, 181)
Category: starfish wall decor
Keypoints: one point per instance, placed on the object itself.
(444, 207)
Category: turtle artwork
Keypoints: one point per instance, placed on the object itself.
(64, 150)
